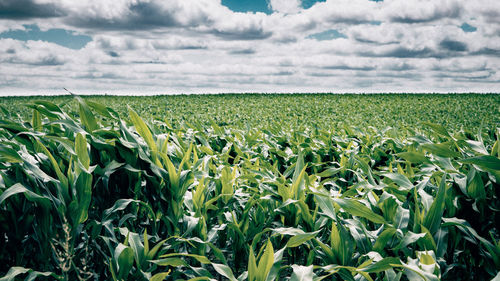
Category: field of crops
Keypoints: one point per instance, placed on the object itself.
(294, 111)
(250, 187)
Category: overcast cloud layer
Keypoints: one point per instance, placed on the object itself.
(199, 46)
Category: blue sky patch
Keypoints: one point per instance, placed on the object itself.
(259, 5)
(306, 4)
(247, 6)
(327, 35)
(467, 27)
(63, 37)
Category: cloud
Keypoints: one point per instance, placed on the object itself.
(113, 54)
(347, 67)
(242, 52)
(422, 11)
(59, 36)
(26, 9)
(453, 45)
(154, 46)
(327, 35)
(31, 53)
(342, 11)
(285, 6)
(130, 15)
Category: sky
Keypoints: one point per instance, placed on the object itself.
(221, 46)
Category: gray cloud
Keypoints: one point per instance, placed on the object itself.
(98, 75)
(284, 73)
(369, 41)
(347, 67)
(320, 74)
(453, 45)
(145, 15)
(45, 60)
(179, 46)
(400, 66)
(242, 52)
(425, 11)
(402, 52)
(113, 54)
(487, 52)
(472, 76)
(201, 46)
(25, 9)
(249, 34)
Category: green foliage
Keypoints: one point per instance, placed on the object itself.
(403, 112)
(87, 194)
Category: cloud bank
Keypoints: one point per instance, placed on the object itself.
(197, 46)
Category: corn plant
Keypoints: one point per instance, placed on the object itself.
(91, 192)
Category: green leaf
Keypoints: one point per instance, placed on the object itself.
(467, 229)
(138, 248)
(408, 239)
(326, 205)
(16, 270)
(433, 217)
(152, 253)
(36, 121)
(383, 238)
(224, 270)
(101, 109)
(485, 161)
(144, 132)
(35, 274)
(159, 276)
(299, 239)
(81, 151)
(298, 184)
(475, 185)
(13, 272)
(9, 155)
(413, 157)
(399, 179)
(266, 262)
(86, 115)
(125, 259)
(439, 129)
(84, 193)
(119, 205)
(30, 195)
(199, 258)
(382, 265)
(170, 262)
(440, 149)
(299, 167)
(329, 172)
(64, 188)
(252, 266)
(355, 208)
(342, 244)
(146, 241)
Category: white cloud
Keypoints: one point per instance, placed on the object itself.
(154, 46)
(285, 6)
(421, 11)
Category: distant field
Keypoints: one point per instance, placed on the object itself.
(250, 187)
(325, 111)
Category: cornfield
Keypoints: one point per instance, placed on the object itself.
(88, 192)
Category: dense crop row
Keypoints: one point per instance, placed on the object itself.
(97, 195)
(293, 111)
